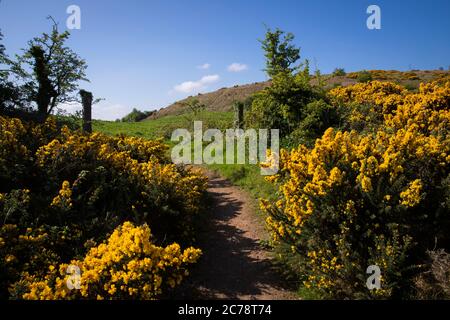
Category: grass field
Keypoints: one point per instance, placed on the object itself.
(246, 176)
(163, 127)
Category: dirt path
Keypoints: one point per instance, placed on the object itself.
(234, 264)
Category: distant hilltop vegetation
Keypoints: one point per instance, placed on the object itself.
(219, 100)
(223, 99)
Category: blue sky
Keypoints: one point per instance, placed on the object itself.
(147, 54)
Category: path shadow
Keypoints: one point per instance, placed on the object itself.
(233, 265)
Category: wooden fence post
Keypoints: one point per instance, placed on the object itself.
(86, 101)
(239, 115)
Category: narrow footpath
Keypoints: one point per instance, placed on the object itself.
(234, 265)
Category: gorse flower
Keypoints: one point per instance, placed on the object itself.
(64, 192)
(63, 197)
(127, 266)
(360, 199)
(412, 195)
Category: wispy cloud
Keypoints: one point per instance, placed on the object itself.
(196, 86)
(237, 67)
(204, 66)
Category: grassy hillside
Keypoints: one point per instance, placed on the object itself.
(163, 127)
(222, 100)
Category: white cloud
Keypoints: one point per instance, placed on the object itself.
(237, 67)
(196, 86)
(210, 79)
(70, 107)
(204, 66)
(107, 111)
(102, 110)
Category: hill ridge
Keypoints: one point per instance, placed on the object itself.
(223, 98)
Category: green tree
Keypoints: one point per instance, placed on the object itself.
(55, 71)
(280, 53)
(10, 94)
(3, 57)
(282, 105)
(3, 63)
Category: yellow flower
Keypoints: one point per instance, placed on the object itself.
(366, 184)
(412, 195)
(64, 196)
(125, 264)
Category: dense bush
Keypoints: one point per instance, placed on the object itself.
(364, 76)
(282, 105)
(136, 115)
(62, 192)
(379, 197)
(320, 116)
(339, 72)
(364, 105)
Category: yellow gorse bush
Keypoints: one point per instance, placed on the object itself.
(141, 160)
(63, 191)
(428, 110)
(128, 265)
(11, 131)
(363, 199)
(412, 195)
(386, 95)
(13, 150)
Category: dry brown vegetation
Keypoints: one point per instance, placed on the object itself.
(223, 99)
(435, 282)
(220, 100)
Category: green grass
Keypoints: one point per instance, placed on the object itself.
(246, 176)
(163, 127)
(308, 294)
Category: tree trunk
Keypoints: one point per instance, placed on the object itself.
(45, 89)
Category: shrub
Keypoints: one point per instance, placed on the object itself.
(385, 95)
(339, 72)
(135, 170)
(364, 76)
(366, 104)
(356, 200)
(410, 76)
(282, 105)
(63, 191)
(136, 115)
(127, 266)
(320, 116)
